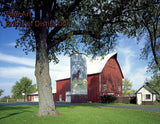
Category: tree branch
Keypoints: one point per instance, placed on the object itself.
(65, 36)
(66, 15)
(153, 44)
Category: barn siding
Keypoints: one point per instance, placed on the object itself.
(93, 88)
(62, 86)
(30, 98)
(55, 97)
(79, 98)
(111, 76)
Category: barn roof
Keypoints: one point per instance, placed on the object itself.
(35, 93)
(94, 66)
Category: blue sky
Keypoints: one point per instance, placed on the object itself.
(15, 64)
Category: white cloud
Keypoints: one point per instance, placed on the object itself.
(17, 60)
(17, 72)
(128, 57)
(12, 44)
(138, 77)
(56, 69)
(64, 61)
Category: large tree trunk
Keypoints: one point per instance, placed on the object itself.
(46, 103)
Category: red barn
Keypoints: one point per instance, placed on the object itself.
(33, 97)
(104, 76)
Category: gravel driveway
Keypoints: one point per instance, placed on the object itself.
(152, 109)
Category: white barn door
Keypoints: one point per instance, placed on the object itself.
(68, 97)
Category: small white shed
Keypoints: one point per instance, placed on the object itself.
(146, 95)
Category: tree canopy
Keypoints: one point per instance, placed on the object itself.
(154, 82)
(127, 88)
(23, 86)
(94, 24)
(6, 97)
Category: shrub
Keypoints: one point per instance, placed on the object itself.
(107, 98)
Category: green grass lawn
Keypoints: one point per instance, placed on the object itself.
(22, 114)
(116, 104)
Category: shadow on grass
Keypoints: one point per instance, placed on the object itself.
(65, 106)
(12, 114)
(16, 110)
(12, 107)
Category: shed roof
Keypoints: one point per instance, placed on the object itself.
(149, 89)
(94, 66)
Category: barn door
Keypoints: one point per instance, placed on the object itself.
(68, 97)
(139, 98)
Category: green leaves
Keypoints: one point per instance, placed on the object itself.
(1, 91)
(127, 88)
(24, 86)
(154, 82)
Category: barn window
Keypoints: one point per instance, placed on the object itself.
(148, 96)
(104, 87)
